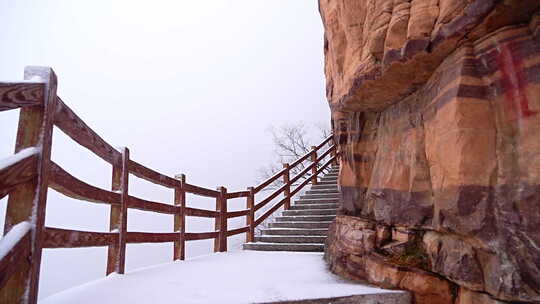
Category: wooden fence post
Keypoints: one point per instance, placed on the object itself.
(287, 191)
(314, 168)
(116, 259)
(114, 216)
(180, 219)
(250, 219)
(28, 201)
(220, 243)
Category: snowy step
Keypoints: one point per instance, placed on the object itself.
(324, 187)
(300, 224)
(325, 195)
(284, 247)
(327, 182)
(291, 239)
(314, 206)
(292, 231)
(310, 212)
(323, 191)
(305, 218)
(317, 201)
(329, 191)
(329, 176)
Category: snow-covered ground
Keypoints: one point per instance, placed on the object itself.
(233, 277)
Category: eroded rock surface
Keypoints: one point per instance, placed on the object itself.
(436, 109)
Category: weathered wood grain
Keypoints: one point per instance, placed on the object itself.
(69, 185)
(233, 214)
(269, 181)
(35, 130)
(194, 236)
(144, 205)
(15, 95)
(270, 197)
(124, 199)
(16, 260)
(200, 190)
(200, 212)
(80, 132)
(20, 172)
(152, 237)
(66, 238)
(116, 256)
(237, 231)
(151, 175)
(114, 219)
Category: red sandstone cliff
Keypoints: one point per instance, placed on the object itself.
(436, 108)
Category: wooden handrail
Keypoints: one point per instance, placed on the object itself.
(326, 141)
(151, 175)
(269, 181)
(200, 190)
(73, 126)
(270, 197)
(237, 194)
(68, 185)
(65, 238)
(144, 205)
(194, 236)
(201, 212)
(27, 177)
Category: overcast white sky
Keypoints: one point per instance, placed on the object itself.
(189, 86)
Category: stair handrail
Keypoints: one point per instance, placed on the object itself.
(27, 175)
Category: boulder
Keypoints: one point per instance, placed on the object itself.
(436, 113)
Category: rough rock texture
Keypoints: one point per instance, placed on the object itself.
(436, 109)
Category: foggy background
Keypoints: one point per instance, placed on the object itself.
(188, 86)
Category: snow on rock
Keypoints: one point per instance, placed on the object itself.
(233, 277)
(12, 159)
(13, 237)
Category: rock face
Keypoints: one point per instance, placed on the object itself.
(436, 109)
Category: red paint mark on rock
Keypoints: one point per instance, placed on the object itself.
(514, 81)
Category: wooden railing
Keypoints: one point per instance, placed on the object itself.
(27, 175)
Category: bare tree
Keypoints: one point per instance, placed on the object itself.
(292, 141)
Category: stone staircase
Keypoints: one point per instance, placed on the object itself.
(305, 225)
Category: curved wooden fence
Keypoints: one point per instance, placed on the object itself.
(27, 175)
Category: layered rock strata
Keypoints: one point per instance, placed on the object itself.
(436, 109)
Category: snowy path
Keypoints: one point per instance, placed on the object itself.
(234, 277)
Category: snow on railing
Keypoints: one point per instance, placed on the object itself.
(13, 237)
(41, 109)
